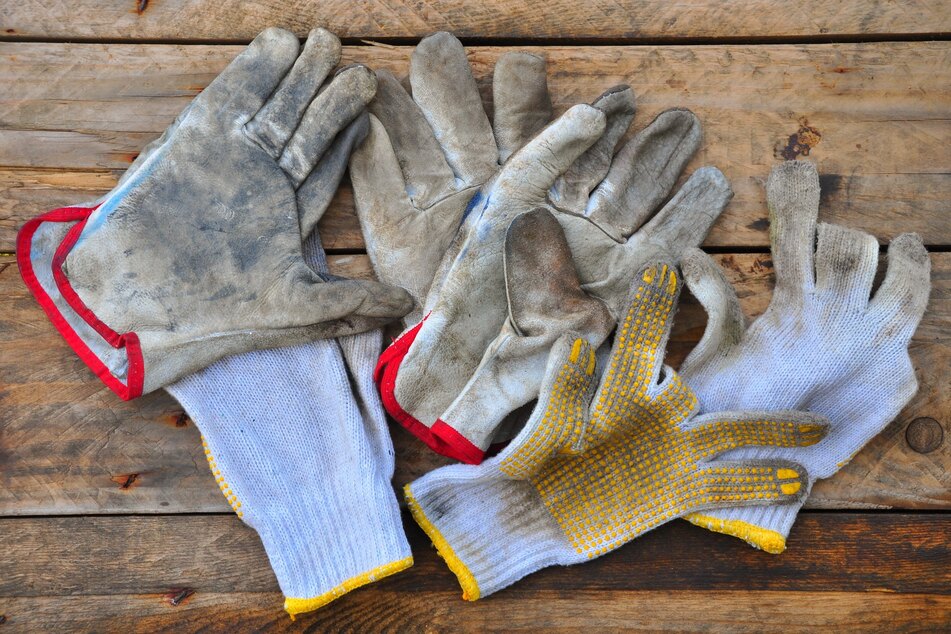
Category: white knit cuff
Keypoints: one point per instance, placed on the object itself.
(492, 531)
(322, 548)
(763, 527)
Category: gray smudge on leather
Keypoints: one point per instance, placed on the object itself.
(199, 249)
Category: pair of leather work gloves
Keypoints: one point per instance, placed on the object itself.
(512, 249)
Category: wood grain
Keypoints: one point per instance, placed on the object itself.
(873, 116)
(625, 20)
(378, 610)
(68, 445)
(856, 571)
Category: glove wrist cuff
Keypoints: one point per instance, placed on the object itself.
(763, 527)
(42, 246)
(492, 531)
(326, 545)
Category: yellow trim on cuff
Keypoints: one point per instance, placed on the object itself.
(757, 536)
(299, 606)
(470, 587)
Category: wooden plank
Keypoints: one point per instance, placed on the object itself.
(625, 20)
(68, 445)
(856, 571)
(382, 611)
(875, 116)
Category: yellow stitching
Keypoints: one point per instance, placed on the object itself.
(299, 606)
(470, 587)
(224, 486)
(767, 540)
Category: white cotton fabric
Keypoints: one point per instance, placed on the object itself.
(824, 345)
(299, 437)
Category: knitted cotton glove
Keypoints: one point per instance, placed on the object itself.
(823, 345)
(594, 468)
(298, 442)
(197, 254)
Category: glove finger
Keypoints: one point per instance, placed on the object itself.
(846, 261)
(534, 169)
(378, 187)
(901, 299)
(557, 422)
(725, 321)
(715, 433)
(644, 173)
(316, 192)
(447, 93)
(641, 339)
(792, 192)
(427, 175)
(274, 124)
(732, 483)
(572, 191)
(329, 113)
(243, 87)
(687, 217)
(521, 100)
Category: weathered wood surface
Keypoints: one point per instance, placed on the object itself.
(189, 573)
(873, 115)
(69, 446)
(625, 20)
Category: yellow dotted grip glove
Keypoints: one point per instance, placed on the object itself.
(593, 469)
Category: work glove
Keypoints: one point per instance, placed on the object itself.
(603, 460)
(478, 356)
(428, 153)
(825, 343)
(297, 440)
(431, 160)
(197, 254)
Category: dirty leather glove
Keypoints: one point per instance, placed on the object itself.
(470, 297)
(825, 343)
(298, 442)
(197, 254)
(428, 153)
(601, 462)
(613, 227)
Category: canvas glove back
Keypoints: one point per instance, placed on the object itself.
(604, 459)
(826, 343)
(197, 253)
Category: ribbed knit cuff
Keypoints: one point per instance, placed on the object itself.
(321, 549)
(763, 527)
(491, 530)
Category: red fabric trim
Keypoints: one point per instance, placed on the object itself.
(385, 377)
(455, 445)
(129, 340)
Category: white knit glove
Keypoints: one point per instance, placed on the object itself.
(604, 459)
(822, 345)
(298, 443)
